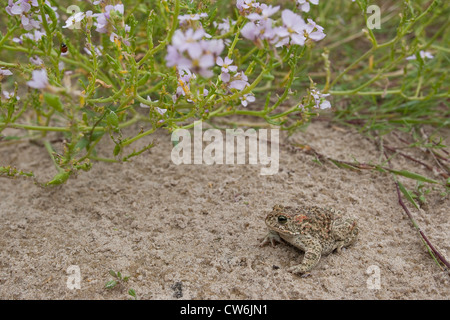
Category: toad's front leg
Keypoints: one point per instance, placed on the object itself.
(312, 256)
(272, 237)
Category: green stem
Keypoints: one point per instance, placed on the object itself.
(163, 43)
(50, 151)
(7, 35)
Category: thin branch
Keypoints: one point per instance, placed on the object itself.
(408, 213)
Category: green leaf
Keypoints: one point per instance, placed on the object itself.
(52, 16)
(407, 194)
(413, 175)
(268, 77)
(53, 101)
(112, 119)
(117, 149)
(132, 293)
(111, 272)
(114, 62)
(82, 143)
(143, 80)
(111, 284)
(59, 178)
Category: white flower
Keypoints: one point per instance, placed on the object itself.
(250, 31)
(319, 98)
(143, 105)
(96, 49)
(304, 4)
(247, 4)
(246, 98)
(36, 60)
(8, 95)
(225, 26)
(20, 7)
(5, 72)
(72, 22)
(161, 111)
(192, 17)
(423, 55)
(225, 76)
(36, 36)
(266, 12)
(314, 31)
(226, 65)
(240, 81)
(294, 25)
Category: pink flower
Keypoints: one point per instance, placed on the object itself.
(8, 95)
(293, 27)
(314, 31)
(190, 51)
(266, 12)
(226, 65)
(240, 81)
(39, 79)
(102, 18)
(296, 31)
(97, 50)
(246, 98)
(243, 5)
(319, 98)
(225, 26)
(36, 36)
(161, 111)
(225, 77)
(37, 61)
(214, 46)
(188, 41)
(20, 7)
(250, 31)
(183, 82)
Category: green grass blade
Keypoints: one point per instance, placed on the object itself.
(412, 175)
(407, 194)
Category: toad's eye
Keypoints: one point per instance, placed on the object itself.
(282, 219)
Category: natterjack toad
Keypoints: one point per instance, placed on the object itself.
(314, 230)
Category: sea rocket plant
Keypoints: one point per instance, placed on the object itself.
(86, 74)
(92, 68)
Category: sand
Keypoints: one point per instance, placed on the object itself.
(193, 231)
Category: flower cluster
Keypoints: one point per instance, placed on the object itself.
(294, 30)
(319, 99)
(193, 50)
(29, 14)
(423, 54)
(22, 8)
(103, 23)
